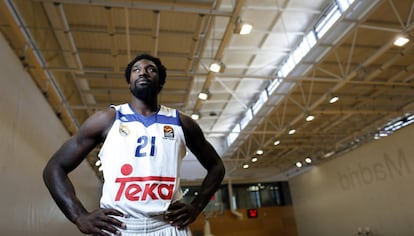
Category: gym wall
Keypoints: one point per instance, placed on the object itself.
(367, 189)
(30, 133)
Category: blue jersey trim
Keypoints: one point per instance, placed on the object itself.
(149, 120)
(177, 114)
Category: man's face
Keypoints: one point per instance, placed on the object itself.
(144, 83)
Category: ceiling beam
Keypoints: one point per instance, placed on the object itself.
(196, 9)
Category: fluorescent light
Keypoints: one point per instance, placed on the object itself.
(310, 118)
(333, 99)
(203, 95)
(329, 154)
(242, 28)
(195, 116)
(246, 28)
(217, 67)
(401, 41)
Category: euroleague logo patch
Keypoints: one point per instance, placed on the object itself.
(168, 132)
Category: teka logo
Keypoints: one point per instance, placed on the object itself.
(144, 188)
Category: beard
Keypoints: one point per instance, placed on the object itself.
(147, 94)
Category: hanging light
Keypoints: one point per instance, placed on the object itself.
(98, 163)
(328, 154)
(310, 117)
(401, 41)
(195, 116)
(203, 95)
(333, 99)
(242, 27)
(217, 67)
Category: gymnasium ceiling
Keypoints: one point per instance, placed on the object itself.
(76, 52)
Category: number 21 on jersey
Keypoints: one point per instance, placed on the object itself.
(146, 146)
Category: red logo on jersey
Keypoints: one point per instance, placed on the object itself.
(144, 188)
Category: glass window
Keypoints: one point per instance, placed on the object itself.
(245, 196)
(218, 202)
(326, 22)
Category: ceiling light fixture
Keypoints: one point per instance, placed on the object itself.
(203, 95)
(254, 159)
(98, 163)
(217, 67)
(195, 116)
(259, 152)
(277, 142)
(245, 166)
(308, 160)
(292, 131)
(328, 154)
(242, 27)
(401, 41)
(310, 117)
(298, 164)
(333, 99)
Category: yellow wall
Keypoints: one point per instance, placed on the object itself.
(270, 221)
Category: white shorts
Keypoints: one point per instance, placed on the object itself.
(150, 226)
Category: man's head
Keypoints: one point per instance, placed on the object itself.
(146, 77)
(162, 70)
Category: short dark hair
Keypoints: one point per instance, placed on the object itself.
(162, 70)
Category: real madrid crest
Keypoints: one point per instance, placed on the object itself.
(123, 130)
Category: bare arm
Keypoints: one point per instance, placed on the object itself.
(210, 160)
(66, 159)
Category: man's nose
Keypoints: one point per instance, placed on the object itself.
(142, 72)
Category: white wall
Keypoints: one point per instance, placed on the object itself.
(372, 186)
(29, 134)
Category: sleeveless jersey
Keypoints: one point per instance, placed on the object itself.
(141, 160)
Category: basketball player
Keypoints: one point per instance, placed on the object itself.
(143, 146)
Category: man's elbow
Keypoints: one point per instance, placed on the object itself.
(220, 170)
(50, 172)
(47, 173)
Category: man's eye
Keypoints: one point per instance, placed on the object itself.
(135, 69)
(152, 69)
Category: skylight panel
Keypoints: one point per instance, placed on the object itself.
(326, 23)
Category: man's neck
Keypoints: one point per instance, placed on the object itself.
(145, 109)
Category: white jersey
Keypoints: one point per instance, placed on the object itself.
(141, 159)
